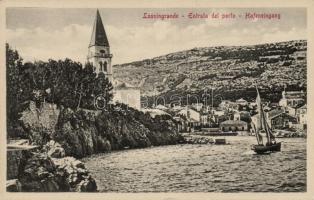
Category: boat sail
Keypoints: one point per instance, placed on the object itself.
(271, 144)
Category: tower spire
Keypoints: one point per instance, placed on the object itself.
(99, 50)
(99, 36)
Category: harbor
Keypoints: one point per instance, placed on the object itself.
(202, 168)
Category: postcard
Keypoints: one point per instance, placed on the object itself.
(157, 99)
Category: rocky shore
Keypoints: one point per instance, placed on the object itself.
(64, 135)
(47, 170)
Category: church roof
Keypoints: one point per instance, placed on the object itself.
(99, 37)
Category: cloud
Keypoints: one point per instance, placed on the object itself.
(277, 35)
(130, 43)
(39, 44)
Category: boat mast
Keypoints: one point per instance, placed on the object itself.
(260, 120)
(266, 127)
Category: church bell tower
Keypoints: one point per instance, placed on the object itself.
(99, 50)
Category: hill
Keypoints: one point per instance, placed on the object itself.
(224, 68)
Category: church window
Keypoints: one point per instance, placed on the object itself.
(105, 66)
(102, 52)
(100, 64)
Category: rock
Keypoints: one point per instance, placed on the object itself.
(49, 185)
(13, 185)
(76, 132)
(88, 185)
(103, 144)
(45, 174)
(78, 164)
(39, 122)
(198, 140)
(15, 161)
(54, 149)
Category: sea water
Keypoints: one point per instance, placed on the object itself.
(203, 168)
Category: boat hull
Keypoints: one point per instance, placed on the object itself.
(260, 149)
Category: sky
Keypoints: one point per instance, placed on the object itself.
(58, 33)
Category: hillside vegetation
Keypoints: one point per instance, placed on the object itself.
(224, 68)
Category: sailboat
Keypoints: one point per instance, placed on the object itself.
(262, 126)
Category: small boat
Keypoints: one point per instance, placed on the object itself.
(220, 141)
(262, 127)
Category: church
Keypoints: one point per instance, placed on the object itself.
(100, 57)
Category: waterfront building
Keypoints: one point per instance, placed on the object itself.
(233, 125)
(277, 119)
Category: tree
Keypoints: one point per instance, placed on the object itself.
(15, 86)
(103, 87)
(62, 82)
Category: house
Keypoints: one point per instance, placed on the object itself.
(182, 123)
(281, 121)
(236, 116)
(225, 104)
(197, 106)
(243, 115)
(276, 119)
(218, 112)
(301, 114)
(161, 107)
(233, 125)
(205, 119)
(292, 98)
(228, 105)
(192, 116)
(127, 94)
(290, 110)
(177, 108)
(155, 112)
(252, 104)
(242, 102)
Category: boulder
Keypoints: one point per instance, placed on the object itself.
(45, 174)
(88, 185)
(54, 149)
